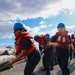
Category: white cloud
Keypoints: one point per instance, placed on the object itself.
(38, 29)
(71, 29)
(6, 30)
(69, 4)
(43, 26)
(35, 30)
(24, 9)
(71, 13)
(49, 25)
(15, 10)
(42, 22)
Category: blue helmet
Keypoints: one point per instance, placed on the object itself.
(61, 25)
(72, 35)
(36, 37)
(18, 26)
(47, 36)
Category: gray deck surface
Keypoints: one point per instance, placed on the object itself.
(19, 67)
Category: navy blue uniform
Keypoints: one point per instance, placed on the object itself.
(48, 56)
(32, 59)
(62, 58)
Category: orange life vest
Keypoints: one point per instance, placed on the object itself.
(31, 47)
(42, 40)
(73, 40)
(63, 40)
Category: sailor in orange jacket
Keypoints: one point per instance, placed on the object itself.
(25, 47)
(48, 51)
(62, 42)
(73, 42)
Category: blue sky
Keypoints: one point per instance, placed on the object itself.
(38, 17)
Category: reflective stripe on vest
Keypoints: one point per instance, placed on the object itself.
(64, 41)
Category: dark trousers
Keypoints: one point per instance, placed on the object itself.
(47, 58)
(54, 59)
(62, 58)
(32, 61)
